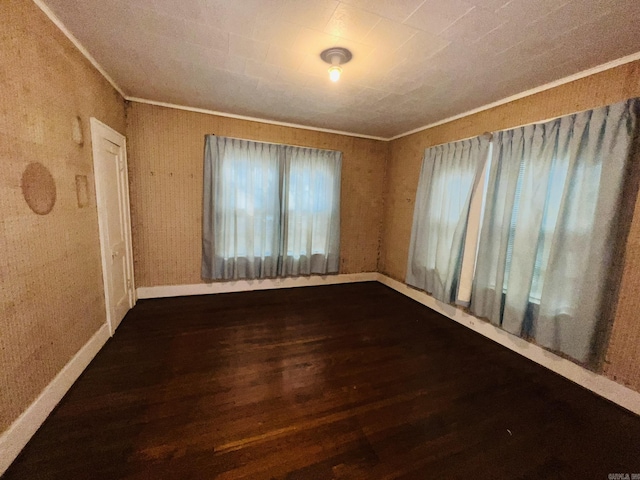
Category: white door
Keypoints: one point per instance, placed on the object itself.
(112, 195)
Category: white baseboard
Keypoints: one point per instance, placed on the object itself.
(13, 440)
(249, 285)
(599, 384)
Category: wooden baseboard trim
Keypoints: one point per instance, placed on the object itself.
(250, 285)
(598, 384)
(13, 440)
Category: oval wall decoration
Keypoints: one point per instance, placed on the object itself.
(38, 188)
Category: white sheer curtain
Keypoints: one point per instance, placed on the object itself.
(312, 211)
(549, 226)
(269, 210)
(448, 177)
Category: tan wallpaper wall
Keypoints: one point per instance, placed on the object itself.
(623, 358)
(51, 300)
(165, 148)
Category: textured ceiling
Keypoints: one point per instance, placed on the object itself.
(415, 62)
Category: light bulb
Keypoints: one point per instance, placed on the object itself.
(334, 73)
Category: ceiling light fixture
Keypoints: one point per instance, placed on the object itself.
(336, 56)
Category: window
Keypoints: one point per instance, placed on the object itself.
(255, 191)
(550, 200)
(530, 242)
(310, 206)
(550, 220)
(270, 210)
(447, 180)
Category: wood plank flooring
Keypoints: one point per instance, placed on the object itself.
(340, 382)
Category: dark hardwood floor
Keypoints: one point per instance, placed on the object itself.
(340, 382)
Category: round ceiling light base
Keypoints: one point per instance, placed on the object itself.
(336, 55)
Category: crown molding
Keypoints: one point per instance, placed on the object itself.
(252, 119)
(58, 23)
(547, 86)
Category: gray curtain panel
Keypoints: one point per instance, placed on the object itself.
(241, 209)
(545, 245)
(449, 174)
(269, 210)
(311, 211)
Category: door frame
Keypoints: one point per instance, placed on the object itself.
(100, 130)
